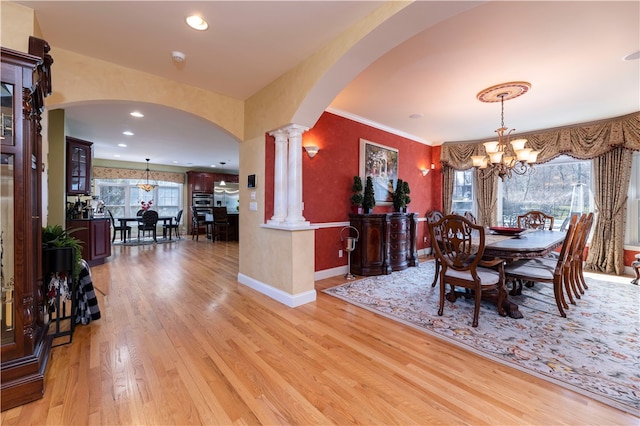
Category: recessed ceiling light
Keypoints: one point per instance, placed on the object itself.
(197, 22)
(128, 133)
(116, 155)
(122, 145)
(137, 114)
(213, 165)
(416, 116)
(175, 162)
(632, 56)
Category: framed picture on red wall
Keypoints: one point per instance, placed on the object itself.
(381, 163)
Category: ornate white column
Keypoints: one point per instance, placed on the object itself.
(279, 178)
(294, 181)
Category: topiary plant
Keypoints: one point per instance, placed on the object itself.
(357, 197)
(407, 191)
(369, 196)
(399, 197)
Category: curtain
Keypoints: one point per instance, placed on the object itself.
(611, 181)
(448, 180)
(585, 141)
(486, 199)
(115, 173)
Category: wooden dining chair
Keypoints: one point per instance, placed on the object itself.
(125, 230)
(535, 219)
(175, 224)
(545, 270)
(148, 223)
(460, 255)
(432, 217)
(576, 272)
(471, 217)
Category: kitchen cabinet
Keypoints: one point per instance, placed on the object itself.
(25, 342)
(78, 166)
(95, 235)
(200, 182)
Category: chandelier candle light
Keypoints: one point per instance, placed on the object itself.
(146, 186)
(505, 157)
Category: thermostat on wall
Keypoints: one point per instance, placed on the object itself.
(251, 181)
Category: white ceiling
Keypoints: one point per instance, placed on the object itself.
(571, 52)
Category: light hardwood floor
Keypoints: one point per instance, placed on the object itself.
(181, 342)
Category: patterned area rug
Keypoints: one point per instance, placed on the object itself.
(594, 351)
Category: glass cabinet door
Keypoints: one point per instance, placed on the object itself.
(7, 222)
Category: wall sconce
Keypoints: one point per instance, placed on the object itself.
(312, 150)
(426, 171)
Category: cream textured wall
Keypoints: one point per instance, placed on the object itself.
(80, 78)
(17, 23)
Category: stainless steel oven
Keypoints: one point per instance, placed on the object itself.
(202, 200)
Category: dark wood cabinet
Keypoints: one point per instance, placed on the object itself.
(203, 183)
(387, 242)
(95, 236)
(26, 345)
(78, 166)
(200, 182)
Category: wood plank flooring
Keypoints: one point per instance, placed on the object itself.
(181, 342)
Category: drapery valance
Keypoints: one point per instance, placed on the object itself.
(584, 141)
(100, 172)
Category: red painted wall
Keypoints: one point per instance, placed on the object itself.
(327, 179)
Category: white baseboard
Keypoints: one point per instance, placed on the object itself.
(290, 300)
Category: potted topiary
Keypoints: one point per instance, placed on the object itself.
(369, 200)
(407, 191)
(357, 197)
(401, 196)
(399, 200)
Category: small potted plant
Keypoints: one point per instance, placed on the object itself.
(407, 191)
(369, 201)
(62, 253)
(357, 198)
(399, 202)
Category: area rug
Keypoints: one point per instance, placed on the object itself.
(594, 351)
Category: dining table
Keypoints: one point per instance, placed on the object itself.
(124, 220)
(528, 244)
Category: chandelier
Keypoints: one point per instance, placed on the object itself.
(146, 186)
(504, 156)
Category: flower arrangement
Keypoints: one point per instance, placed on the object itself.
(146, 205)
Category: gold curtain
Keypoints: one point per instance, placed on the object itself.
(448, 180)
(100, 172)
(585, 141)
(486, 199)
(611, 182)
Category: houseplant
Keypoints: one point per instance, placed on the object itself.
(369, 200)
(357, 197)
(407, 191)
(401, 196)
(61, 253)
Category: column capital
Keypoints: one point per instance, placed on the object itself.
(289, 129)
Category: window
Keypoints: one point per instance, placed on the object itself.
(463, 192)
(632, 231)
(558, 188)
(123, 198)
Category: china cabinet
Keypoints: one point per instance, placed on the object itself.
(78, 166)
(25, 80)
